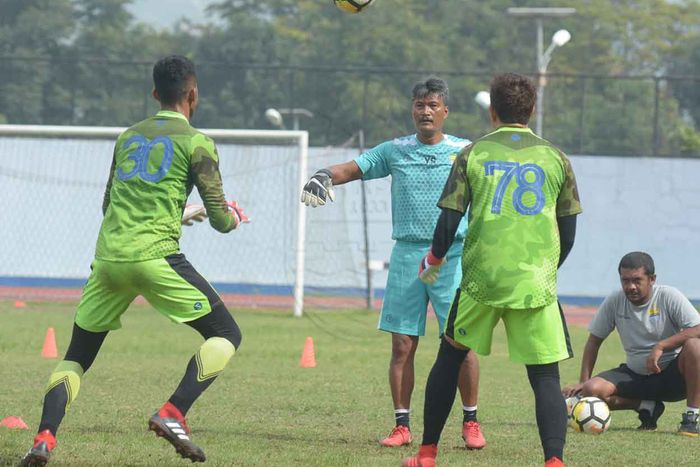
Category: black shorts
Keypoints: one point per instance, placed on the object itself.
(668, 385)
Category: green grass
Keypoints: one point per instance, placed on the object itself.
(265, 410)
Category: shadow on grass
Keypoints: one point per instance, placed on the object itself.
(272, 436)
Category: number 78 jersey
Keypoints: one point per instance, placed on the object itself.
(514, 185)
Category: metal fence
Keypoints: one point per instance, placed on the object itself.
(583, 114)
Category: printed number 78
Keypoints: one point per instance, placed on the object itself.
(510, 169)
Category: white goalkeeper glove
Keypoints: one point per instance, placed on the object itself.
(429, 268)
(237, 212)
(318, 189)
(193, 213)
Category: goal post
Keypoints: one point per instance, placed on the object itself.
(68, 165)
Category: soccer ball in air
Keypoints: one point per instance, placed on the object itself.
(353, 6)
(591, 415)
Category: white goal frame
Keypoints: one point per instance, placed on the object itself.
(219, 135)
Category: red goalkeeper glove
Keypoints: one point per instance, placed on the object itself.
(237, 212)
(429, 268)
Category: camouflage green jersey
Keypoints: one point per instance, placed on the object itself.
(515, 185)
(155, 165)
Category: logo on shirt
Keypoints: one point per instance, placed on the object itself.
(452, 157)
(430, 159)
(653, 312)
(197, 306)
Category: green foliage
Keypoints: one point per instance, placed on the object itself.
(88, 62)
(688, 141)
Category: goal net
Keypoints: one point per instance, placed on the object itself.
(52, 181)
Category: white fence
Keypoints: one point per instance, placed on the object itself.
(52, 189)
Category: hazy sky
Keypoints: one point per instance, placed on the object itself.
(165, 14)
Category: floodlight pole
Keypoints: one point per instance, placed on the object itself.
(274, 116)
(541, 79)
(543, 56)
(296, 113)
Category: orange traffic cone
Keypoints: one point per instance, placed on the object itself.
(49, 350)
(14, 422)
(308, 357)
(20, 304)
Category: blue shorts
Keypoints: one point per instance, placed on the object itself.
(406, 297)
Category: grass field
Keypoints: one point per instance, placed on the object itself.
(266, 411)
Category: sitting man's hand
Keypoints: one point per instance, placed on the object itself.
(653, 360)
(572, 390)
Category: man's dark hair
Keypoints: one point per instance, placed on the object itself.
(513, 97)
(171, 77)
(636, 260)
(431, 86)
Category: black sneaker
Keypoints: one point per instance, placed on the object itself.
(689, 425)
(177, 435)
(649, 419)
(39, 454)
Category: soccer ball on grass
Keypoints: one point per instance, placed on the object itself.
(570, 404)
(591, 415)
(353, 6)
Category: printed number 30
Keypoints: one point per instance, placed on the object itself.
(141, 154)
(524, 186)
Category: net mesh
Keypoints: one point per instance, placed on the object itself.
(52, 188)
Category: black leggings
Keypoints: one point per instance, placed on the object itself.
(84, 345)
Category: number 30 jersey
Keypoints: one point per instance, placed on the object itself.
(514, 185)
(155, 166)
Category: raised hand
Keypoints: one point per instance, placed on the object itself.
(318, 189)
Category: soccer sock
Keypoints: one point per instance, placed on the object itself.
(63, 387)
(647, 405)
(402, 417)
(469, 413)
(440, 390)
(202, 370)
(550, 408)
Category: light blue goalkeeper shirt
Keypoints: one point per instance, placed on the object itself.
(418, 175)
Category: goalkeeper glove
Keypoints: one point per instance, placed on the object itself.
(237, 212)
(318, 188)
(193, 213)
(430, 268)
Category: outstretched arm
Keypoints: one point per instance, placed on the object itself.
(319, 188)
(345, 172)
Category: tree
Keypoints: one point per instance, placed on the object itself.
(30, 31)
